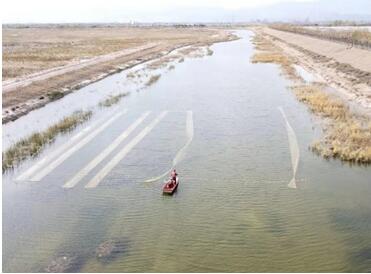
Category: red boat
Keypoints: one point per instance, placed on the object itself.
(170, 186)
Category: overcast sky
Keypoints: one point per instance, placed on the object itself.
(62, 11)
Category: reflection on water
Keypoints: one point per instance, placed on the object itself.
(233, 210)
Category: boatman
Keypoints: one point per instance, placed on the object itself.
(173, 175)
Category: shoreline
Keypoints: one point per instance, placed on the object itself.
(16, 105)
(345, 119)
(351, 83)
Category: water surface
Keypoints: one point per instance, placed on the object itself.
(233, 210)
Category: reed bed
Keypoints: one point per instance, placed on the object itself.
(130, 75)
(153, 79)
(162, 62)
(347, 136)
(33, 145)
(269, 53)
(112, 100)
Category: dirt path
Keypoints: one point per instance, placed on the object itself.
(13, 84)
(357, 58)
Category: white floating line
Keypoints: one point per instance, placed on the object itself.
(124, 151)
(294, 149)
(180, 154)
(92, 164)
(49, 168)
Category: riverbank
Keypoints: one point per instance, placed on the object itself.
(342, 99)
(50, 76)
(346, 70)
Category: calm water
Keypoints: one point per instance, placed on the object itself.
(233, 210)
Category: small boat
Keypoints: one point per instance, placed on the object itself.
(170, 187)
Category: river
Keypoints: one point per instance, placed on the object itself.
(233, 210)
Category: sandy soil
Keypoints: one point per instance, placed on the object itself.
(40, 61)
(23, 81)
(346, 70)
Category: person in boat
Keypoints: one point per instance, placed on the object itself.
(173, 176)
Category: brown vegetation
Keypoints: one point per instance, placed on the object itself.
(347, 136)
(112, 100)
(32, 145)
(153, 79)
(269, 53)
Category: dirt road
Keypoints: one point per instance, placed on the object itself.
(356, 57)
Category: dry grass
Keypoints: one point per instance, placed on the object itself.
(55, 95)
(347, 136)
(33, 145)
(270, 57)
(269, 53)
(130, 75)
(162, 62)
(112, 100)
(153, 79)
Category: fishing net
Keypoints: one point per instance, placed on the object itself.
(294, 149)
(182, 152)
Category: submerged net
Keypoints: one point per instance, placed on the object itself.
(294, 149)
(182, 152)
